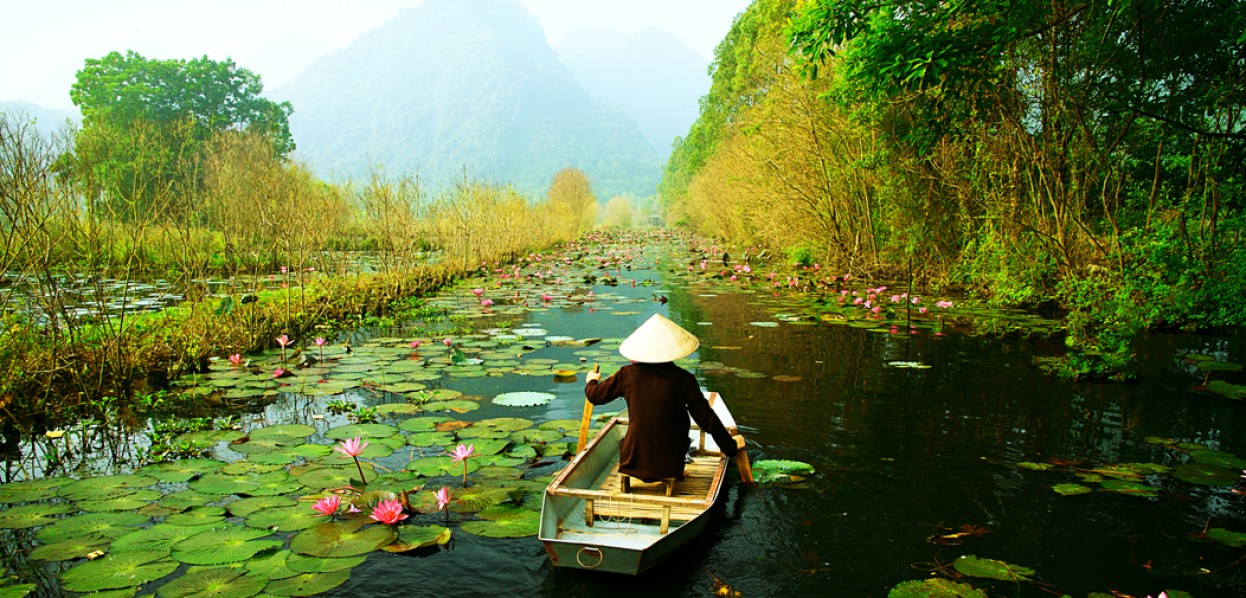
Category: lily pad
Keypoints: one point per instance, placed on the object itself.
(205, 515)
(31, 490)
(101, 487)
(32, 515)
(67, 550)
(284, 519)
(414, 537)
(183, 470)
(315, 564)
(362, 431)
(342, 539)
(991, 569)
(220, 546)
(118, 570)
(1225, 389)
(1206, 475)
(283, 430)
(1128, 487)
(523, 399)
(157, 537)
(217, 582)
(935, 588)
(1226, 537)
(1071, 489)
(1218, 459)
(334, 477)
(105, 525)
(770, 471)
(504, 521)
(307, 584)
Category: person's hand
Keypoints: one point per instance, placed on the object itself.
(592, 376)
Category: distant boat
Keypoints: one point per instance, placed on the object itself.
(589, 522)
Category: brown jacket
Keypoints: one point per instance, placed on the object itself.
(659, 398)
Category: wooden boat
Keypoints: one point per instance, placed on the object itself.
(592, 518)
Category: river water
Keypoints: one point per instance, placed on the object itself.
(903, 456)
(915, 466)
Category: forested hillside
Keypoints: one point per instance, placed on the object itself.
(1088, 157)
(449, 88)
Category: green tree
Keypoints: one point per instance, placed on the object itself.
(145, 123)
(572, 203)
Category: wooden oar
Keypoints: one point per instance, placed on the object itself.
(586, 419)
(742, 463)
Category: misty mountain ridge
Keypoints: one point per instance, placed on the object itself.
(451, 87)
(47, 120)
(651, 75)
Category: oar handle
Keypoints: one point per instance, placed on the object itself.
(585, 419)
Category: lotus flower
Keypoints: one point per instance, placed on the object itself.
(462, 453)
(352, 447)
(478, 292)
(485, 303)
(443, 498)
(547, 298)
(328, 505)
(388, 512)
(236, 359)
(447, 342)
(283, 340)
(320, 344)
(943, 304)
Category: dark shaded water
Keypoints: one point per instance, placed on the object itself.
(904, 455)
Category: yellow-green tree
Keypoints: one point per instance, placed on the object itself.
(572, 204)
(620, 212)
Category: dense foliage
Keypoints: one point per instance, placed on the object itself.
(1088, 156)
(145, 123)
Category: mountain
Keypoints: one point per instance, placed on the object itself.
(47, 120)
(652, 76)
(452, 87)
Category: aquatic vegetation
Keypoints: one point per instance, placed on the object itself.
(462, 453)
(328, 506)
(388, 512)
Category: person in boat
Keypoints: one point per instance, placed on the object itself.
(660, 395)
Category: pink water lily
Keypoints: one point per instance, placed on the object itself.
(443, 498)
(547, 298)
(463, 452)
(486, 303)
(320, 342)
(447, 342)
(236, 359)
(327, 506)
(283, 340)
(388, 512)
(478, 292)
(943, 304)
(351, 447)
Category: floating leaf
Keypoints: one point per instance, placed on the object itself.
(32, 515)
(991, 569)
(362, 431)
(1207, 475)
(31, 490)
(414, 537)
(105, 525)
(1070, 489)
(341, 539)
(1225, 389)
(284, 519)
(772, 471)
(217, 582)
(101, 487)
(198, 516)
(504, 521)
(314, 564)
(523, 399)
(935, 588)
(1218, 459)
(283, 430)
(1035, 466)
(1128, 487)
(157, 537)
(70, 549)
(334, 477)
(181, 471)
(124, 570)
(307, 584)
(246, 506)
(1226, 537)
(220, 546)
(222, 484)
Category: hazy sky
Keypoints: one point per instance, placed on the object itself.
(45, 42)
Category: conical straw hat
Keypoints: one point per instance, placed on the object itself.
(658, 340)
